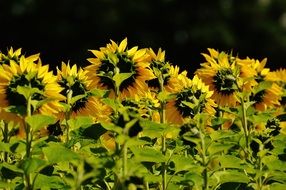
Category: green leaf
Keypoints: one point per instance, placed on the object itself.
(39, 121)
(80, 121)
(183, 163)
(58, 153)
(230, 176)
(277, 186)
(120, 77)
(152, 129)
(165, 96)
(263, 86)
(28, 91)
(229, 161)
(99, 93)
(218, 147)
(77, 98)
(112, 127)
(10, 171)
(5, 147)
(273, 163)
(220, 135)
(49, 182)
(148, 154)
(32, 165)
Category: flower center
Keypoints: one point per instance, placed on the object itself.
(77, 88)
(194, 105)
(224, 81)
(16, 99)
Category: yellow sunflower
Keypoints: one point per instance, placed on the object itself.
(194, 98)
(279, 76)
(117, 59)
(220, 73)
(163, 70)
(32, 75)
(267, 93)
(14, 56)
(76, 84)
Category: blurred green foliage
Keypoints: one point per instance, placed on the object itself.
(65, 29)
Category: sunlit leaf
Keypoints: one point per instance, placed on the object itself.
(80, 121)
(39, 121)
(55, 153)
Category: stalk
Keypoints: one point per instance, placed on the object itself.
(163, 138)
(245, 127)
(29, 139)
(204, 161)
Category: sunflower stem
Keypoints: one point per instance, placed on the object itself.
(245, 127)
(67, 115)
(163, 138)
(204, 158)
(124, 159)
(29, 139)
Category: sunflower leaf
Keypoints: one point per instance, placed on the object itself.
(28, 91)
(39, 121)
(99, 93)
(77, 98)
(56, 153)
(80, 122)
(120, 77)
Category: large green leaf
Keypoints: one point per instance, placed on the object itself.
(215, 148)
(231, 176)
(183, 163)
(49, 182)
(32, 164)
(58, 153)
(277, 186)
(39, 121)
(80, 121)
(152, 129)
(148, 154)
(229, 161)
(120, 77)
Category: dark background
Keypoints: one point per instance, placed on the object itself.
(63, 30)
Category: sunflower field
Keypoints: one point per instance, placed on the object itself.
(132, 120)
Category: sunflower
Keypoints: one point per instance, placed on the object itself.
(267, 93)
(220, 73)
(14, 56)
(279, 76)
(76, 84)
(163, 70)
(193, 99)
(114, 59)
(27, 74)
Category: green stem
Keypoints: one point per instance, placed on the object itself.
(163, 138)
(245, 127)
(124, 159)
(29, 139)
(204, 161)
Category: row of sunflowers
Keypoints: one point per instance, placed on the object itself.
(133, 120)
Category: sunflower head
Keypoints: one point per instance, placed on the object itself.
(165, 74)
(79, 99)
(29, 80)
(119, 69)
(193, 99)
(221, 74)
